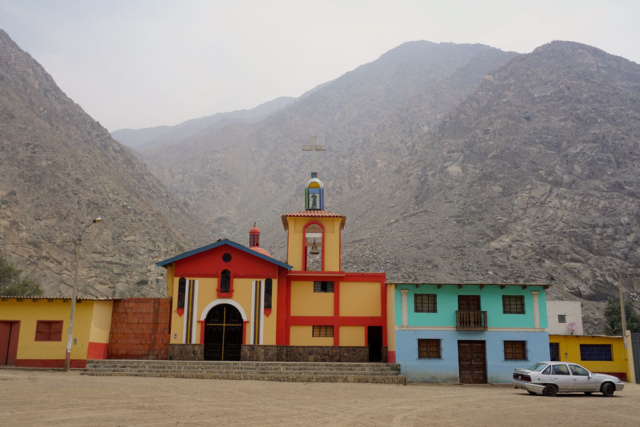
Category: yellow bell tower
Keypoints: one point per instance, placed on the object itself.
(313, 242)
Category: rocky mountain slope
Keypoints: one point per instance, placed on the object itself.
(453, 163)
(143, 139)
(59, 169)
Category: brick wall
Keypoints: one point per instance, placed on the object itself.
(140, 329)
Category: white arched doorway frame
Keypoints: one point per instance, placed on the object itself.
(212, 304)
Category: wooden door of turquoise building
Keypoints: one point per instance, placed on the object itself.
(223, 333)
(472, 362)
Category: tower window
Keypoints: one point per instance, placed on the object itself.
(225, 281)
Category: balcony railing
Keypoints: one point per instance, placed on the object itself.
(471, 320)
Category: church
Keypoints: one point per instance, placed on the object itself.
(236, 302)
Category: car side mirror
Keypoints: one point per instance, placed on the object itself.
(590, 376)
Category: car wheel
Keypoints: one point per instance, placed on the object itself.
(550, 390)
(588, 393)
(531, 392)
(608, 389)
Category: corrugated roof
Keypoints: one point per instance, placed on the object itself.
(313, 214)
(546, 285)
(220, 243)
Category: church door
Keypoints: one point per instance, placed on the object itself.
(223, 333)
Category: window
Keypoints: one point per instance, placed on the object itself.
(515, 350)
(225, 281)
(560, 370)
(182, 287)
(579, 370)
(562, 318)
(428, 349)
(49, 330)
(226, 257)
(554, 351)
(323, 287)
(600, 352)
(425, 303)
(513, 304)
(268, 290)
(547, 370)
(323, 331)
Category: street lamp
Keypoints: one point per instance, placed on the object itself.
(67, 357)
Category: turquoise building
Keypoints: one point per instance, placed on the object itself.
(469, 333)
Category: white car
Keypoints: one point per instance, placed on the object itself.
(551, 378)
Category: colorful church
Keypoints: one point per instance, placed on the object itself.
(233, 302)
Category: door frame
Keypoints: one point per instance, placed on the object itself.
(224, 329)
(381, 342)
(484, 344)
(10, 343)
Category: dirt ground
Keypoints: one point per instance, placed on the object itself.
(34, 398)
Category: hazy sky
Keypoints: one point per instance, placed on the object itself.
(133, 64)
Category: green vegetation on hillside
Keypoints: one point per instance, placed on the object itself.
(11, 284)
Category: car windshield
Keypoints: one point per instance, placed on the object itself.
(537, 367)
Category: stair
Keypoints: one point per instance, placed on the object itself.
(378, 373)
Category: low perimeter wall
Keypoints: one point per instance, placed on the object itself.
(281, 353)
(140, 329)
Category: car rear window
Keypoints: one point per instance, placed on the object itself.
(537, 367)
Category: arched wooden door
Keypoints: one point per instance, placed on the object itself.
(223, 333)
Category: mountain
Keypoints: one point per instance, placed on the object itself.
(234, 175)
(59, 169)
(535, 172)
(142, 139)
(453, 163)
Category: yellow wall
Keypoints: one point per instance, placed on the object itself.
(101, 323)
(303, 335)
(305, 302)
(391, 327)
(269, 337)
(569, 346)
(360, 299)
(352, 336)
(170, 282)
(331, 243)
(29, 311)
(207, 293)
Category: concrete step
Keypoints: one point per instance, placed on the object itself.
(395, 379)
(238, 372)
(380, 373)
(244, 368)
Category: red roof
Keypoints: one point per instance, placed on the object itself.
(313, 214)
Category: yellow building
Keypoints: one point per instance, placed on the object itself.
(598, 353)
(33, 331)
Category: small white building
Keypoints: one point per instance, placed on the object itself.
(565, 317)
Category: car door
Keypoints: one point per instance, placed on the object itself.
(582, 379)
(562, 377)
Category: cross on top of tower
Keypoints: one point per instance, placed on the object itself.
(313, 148)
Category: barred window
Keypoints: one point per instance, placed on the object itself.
(182, 288)
(515, 350)
(425, 303)
(428, 349)
(562, 318)
(323, 331)
(513, 304)
(600, 352)
(49, 330)
(268, 290)
(323, 287)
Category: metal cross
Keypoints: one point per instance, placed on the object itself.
(313, 148)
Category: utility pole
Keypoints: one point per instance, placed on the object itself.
(67, 357)
(624, 318)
